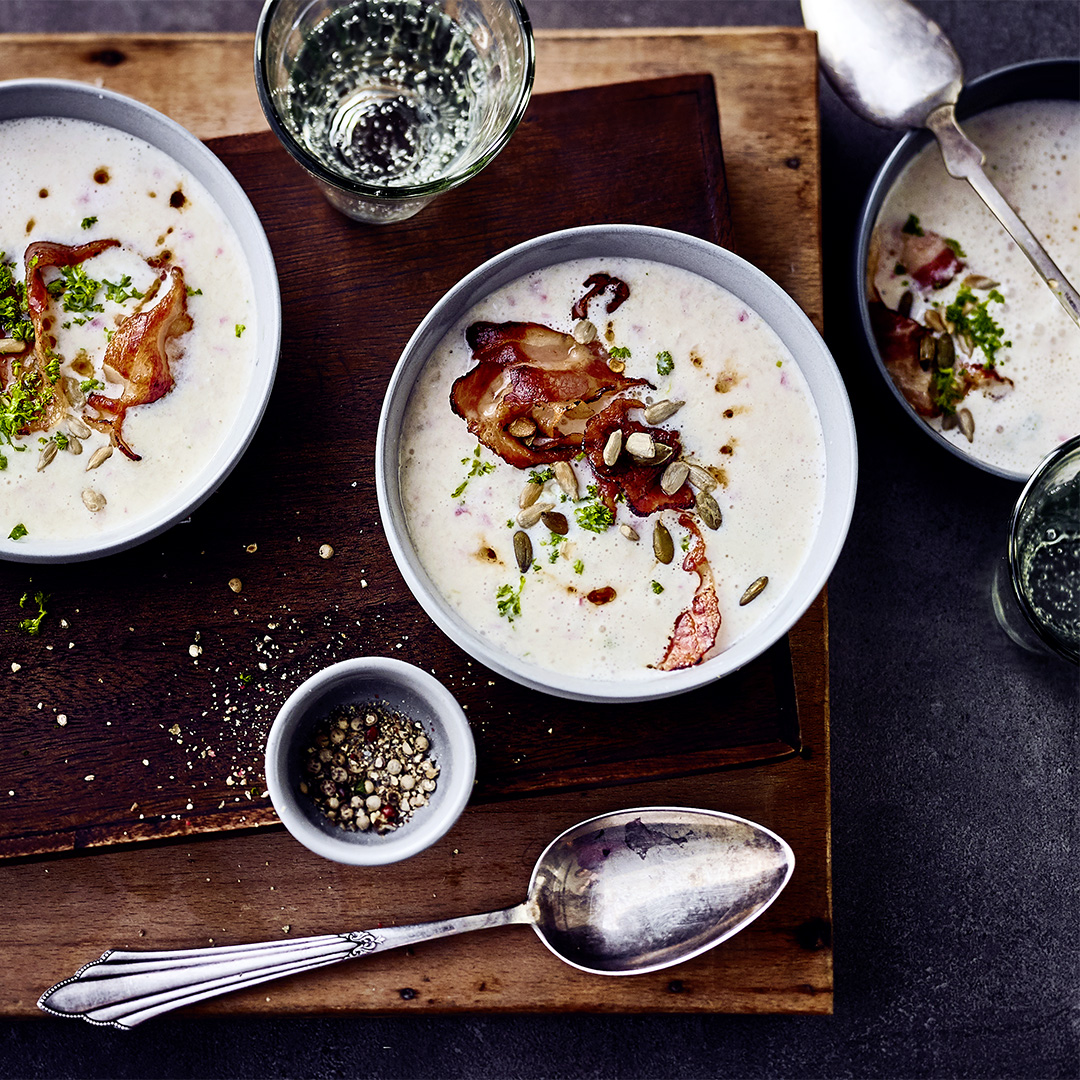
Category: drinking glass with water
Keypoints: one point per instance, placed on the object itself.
(387, 103)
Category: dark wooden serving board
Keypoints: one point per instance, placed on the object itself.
(158, 742)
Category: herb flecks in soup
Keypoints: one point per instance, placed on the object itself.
(109, 339)
(648, 450)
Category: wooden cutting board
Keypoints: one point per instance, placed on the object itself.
(199, 728)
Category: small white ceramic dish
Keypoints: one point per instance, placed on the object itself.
(408, 690)
(748, 284)
(59, 98)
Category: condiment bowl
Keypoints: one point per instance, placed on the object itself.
(1031, 81)
(405, 689)
(752, 288)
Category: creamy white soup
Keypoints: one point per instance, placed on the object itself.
(594, 599)
(71, 186)
(1013, 392)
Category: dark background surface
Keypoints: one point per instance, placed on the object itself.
(955, 803)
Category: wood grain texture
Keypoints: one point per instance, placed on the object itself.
(64, 911)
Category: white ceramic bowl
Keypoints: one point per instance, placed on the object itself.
(753, 288)
(58, 98)
(408, 690)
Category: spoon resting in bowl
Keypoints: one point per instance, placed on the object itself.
(620, 894)
(895, 68)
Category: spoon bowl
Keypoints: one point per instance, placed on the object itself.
(620, 894)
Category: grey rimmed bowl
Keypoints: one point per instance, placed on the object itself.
(21, 98)
(1032, 80)
(748, 284)
(407, 689)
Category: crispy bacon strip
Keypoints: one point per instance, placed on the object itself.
(40, 256)
(598, 284)
(930, 261)
(641, 483)
(138, 354)
(696, 628)
(898, 339)
(528, 372)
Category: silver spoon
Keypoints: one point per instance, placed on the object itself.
(619, 894)
(895, 67)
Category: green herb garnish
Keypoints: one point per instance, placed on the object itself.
(554, 542)
(579, 567)
(79, 291)
(508, 600)
(240, 328)
(18, 532)
(912, 226)
(619, 352)
(945, 389)
(21, 403)
(89, 222)
(656, 587)
(973, 320)
(594, 516)
(120, 291)
(32, 624)
(541, 476)
(665, 365)
(476, 468)
(957, 250)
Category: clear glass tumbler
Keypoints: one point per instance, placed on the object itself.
(1037, 585)
(388, 103)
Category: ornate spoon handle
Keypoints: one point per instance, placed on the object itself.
(124, 988)
(964, 160)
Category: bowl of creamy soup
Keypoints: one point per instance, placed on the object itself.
(615, 463)
(971, 342)
(140, 321)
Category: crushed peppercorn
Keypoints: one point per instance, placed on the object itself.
(368, 766)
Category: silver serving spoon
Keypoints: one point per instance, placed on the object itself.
(895, 67)
(619, 894)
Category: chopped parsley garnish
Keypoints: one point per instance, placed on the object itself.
(619, 352)
(120, 291)
(18, 532)
(945, 389)
(508, 600)
(89, 222)
(554, 542)
(476, 468)
(957, 250)
(13, 314)
(541, 476)
(192, 292)
(240, 328)
(685, 542)
(664, 363)
(32, 624)
(89, 385)
(912, 226)
(579, 567)
(22, 402)
(973, 320)
(595, 516)
(79, 291)
(656, 587)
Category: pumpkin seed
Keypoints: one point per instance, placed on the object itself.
(99, 457)
(74, 445)
(93, 500)
(629, 532)
(967, 424)
(584, 331)
(523, 550)
(709, 510)
(754, 590)
(528, 517)
(566, 478)
(945, 352)
(46, 455)
(934, 320)
(661, 453)
(701, 478)
(903, 308)
(979, 281)
(662, 544)
(948, 422)
(674, 477)
(529, 494)
(77, 428)
(613, 447)
(640, 444)
(660, 411)
(556, 522)
(521, 427)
